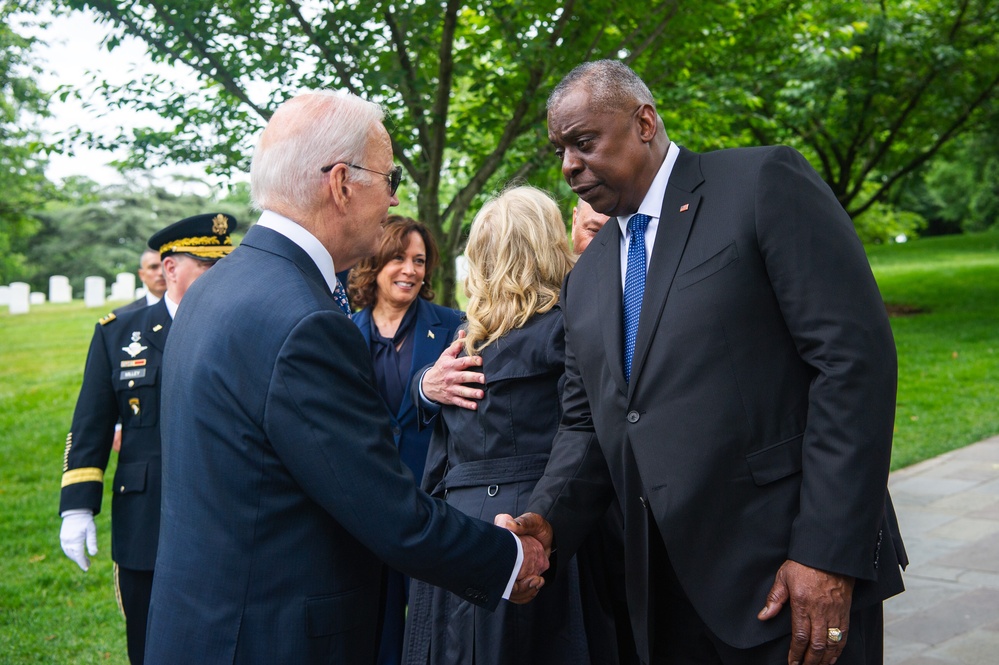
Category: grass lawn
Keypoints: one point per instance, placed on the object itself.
(948, 348)
(51, 612)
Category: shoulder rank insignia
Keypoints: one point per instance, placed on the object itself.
(108, 319)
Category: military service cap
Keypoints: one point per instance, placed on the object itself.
(202, 236)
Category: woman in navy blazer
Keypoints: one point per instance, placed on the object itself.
(404, 332)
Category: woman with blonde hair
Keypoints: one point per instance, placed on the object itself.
(487, 461)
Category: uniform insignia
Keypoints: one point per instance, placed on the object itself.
(134, 349)
(136, 373)
(220, 224)
(430, 334)
(108, 319)
(138, 362)
(134, 403)
(136, 336)
(157, 328)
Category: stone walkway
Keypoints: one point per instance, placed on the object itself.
(948, 512)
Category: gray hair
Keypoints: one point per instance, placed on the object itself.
(611, 84)
(306, 133)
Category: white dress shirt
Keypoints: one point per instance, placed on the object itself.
(651, 206)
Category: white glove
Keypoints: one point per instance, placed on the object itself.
(78, 526)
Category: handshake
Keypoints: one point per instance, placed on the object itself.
(535, 535)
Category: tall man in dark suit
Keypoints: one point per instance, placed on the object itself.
(281, 481)
(731, 378)
(121, 383)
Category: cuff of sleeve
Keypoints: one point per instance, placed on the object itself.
(516, 568)
(428, 403)
(84, 511)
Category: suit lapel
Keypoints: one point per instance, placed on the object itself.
(675, 221)
(362, 319)
(158, 325)
(609, 301)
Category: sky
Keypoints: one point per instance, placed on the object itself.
(72, 53)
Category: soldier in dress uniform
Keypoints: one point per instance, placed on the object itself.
(151, 274)
(121, 381)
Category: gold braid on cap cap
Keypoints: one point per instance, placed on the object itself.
(209, 247)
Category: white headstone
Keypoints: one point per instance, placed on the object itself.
(93, 291)
(460, 268)
(140, 293)
(60, 289)
(123, 287)
(19, 298)
(4, 295)
(36, 298)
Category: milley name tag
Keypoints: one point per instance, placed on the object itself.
(132, 374)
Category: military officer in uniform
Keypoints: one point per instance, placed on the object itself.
(151, 274)
(122, 381)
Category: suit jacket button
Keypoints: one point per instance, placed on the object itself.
(633, 416)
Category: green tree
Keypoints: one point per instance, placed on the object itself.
(963, 191)
(102, 231)
(23, 185)
(464, 84)
(869, 91)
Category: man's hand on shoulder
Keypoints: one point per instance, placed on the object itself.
(446, 380)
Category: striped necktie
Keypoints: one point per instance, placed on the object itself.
(634, 287)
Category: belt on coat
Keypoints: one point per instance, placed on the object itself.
(496, 471)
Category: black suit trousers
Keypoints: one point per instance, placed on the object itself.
(682, 638)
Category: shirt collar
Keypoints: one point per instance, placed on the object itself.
(652, 204)
(304, 239)
(170, 305)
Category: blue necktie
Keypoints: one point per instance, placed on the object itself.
(634, 287)
(340, 296)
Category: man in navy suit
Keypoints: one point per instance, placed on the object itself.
(731, 379)
(281, 483)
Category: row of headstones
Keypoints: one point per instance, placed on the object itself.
(19, 297)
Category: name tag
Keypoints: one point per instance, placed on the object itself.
(127, 374)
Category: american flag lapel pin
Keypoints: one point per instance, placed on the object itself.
(684, 207)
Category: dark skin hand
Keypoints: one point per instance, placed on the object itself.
(529, 526)
(819, 601)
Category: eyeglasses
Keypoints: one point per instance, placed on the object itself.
(394, 176)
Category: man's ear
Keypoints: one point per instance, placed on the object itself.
(342, 190)
(169, 266)
(648, 123)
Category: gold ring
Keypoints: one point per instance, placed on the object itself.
(834, 634)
